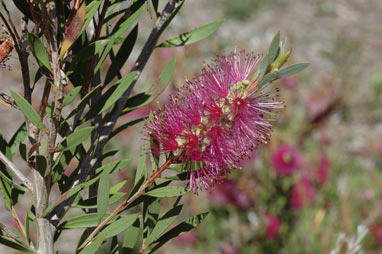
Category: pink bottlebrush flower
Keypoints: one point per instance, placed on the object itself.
(272, 226)
(217, 119)
(323, 171)
(227, 192)
(376, 231)
(303, 193)
(286, 160)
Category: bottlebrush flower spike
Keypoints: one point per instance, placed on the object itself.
(217, 119)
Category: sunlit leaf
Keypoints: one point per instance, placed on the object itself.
(192, 36)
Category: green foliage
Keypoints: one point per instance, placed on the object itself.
(192, 36)
(168, 191)
(39, 51)
(27, 109)
(74, 139)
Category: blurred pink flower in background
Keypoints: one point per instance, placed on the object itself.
(303, 193)
(272, 224)
(286, 159)
(228, 248)
(290, 82)
(376, 231)
(187, 238)
(322, 172)
(228, 193)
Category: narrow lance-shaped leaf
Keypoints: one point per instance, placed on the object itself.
(122, 28)
(270, 56)
(163, 223)
(38, 51)
(290, 70)
(83, 102)
(118, 226)
(168, 191)
(71, 96)
(122, 55)
(19, 136)
(74, 29)
(74, 139)
(83, 221)
(180, 229)
(103, 195)
(13, 244)
(145, 98)
(131, 237)
(192, 36)
(111, 96)
(27, 109)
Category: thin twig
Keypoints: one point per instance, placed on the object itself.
(124, 204)
(16, 171)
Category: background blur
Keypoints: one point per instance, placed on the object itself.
(321, 175)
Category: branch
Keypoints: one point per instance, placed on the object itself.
(16, 171)
(128, 201)
(90, 160)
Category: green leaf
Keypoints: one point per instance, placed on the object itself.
(141, 172)
(138, 101)
(13, 244)
(118, 186)
(180, 229)
(179, 177)
(274, 48)
(270, 56)
(103, 195)
(83, 101)
(167, 73)
(93, 247)
(163, 223)
(124, 26)
(290, 70)
(145, 98)
(92, 49)
(71, 96)
(131, 237)
(83, 221)
(27, 109)
(151, 209)
(110, 168)
(111, 96)
(192, 36)
(19, 136)
(38, 50)
(92, 202)
(91, 10)
(122, 55)
(168, 191)
(74, 139)
(118, 226)
(41, 164)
